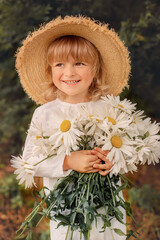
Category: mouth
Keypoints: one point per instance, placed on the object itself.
(73, 82)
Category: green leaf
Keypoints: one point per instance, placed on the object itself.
(29, 236)
(63, 219)
(119, 232)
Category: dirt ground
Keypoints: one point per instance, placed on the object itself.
(149, 222)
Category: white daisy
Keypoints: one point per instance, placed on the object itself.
(25, 169)
(124, 105)
(154, 153)
(38, 140)
(114, 119)
(121, 148)
(152, 130)
(137, 126)
(142, 151)
(90, 116)
(62, 127)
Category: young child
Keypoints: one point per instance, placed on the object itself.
(68, 63)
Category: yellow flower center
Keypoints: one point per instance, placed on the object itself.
(38, 137)
(120, 105)
(90, 116)
(111, 120)
(134, 120)
(116, 141)
(65, 126)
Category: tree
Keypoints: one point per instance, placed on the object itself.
(143, 39)
(16, 20)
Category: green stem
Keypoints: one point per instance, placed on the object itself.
(40, 220)
(44, 159)
(81, 197)
(33, 213)
(88, 235)
(52, 205)
(81, 176)
(67, 233)
(71, 234)
(111, 233)
(91, 174)
(123, 205)
(80, 233)
(113, 197)
(124, 178)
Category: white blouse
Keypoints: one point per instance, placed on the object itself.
(52, 169)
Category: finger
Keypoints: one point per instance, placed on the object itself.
(94, 162)
(100, 150)
(104, 173)
(105, 152)
(92, 158)
(92, 171)
(87, 152)
(100, 155)
(103, 166)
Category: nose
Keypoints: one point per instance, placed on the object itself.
(69, 70)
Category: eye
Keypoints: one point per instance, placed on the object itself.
(79, 64)
(58, 64)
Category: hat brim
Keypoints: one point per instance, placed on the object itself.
(31, 57)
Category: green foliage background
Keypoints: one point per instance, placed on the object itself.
(138, 23)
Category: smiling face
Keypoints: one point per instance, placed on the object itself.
(73, 78)
(73, 62)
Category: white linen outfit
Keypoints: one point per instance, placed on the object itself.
(52, 169)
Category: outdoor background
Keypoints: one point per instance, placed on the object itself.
(138, 24)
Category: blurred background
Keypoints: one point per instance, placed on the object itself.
(138, 24)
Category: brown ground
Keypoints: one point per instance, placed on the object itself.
(149, 228)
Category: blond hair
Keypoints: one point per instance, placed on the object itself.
(79, 49)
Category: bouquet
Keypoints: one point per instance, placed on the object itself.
(112, 125)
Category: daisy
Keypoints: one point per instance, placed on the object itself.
(38, 140)
(120, 147)
(152, 130)
(142, 151)
(90, 116)
(137, 126)
(25, 169)
(124, 105)
(154, 153)
(114, 119)
(63, 131)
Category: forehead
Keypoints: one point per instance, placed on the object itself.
(72, 47)
(69, 59)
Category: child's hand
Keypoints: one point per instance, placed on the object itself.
(81, 161)
(101, 154)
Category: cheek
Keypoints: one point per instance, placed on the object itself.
(89, 77)
(55, 76)
(91, 73)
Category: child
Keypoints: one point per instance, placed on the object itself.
(72, 62)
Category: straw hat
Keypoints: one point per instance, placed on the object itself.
(31, 57)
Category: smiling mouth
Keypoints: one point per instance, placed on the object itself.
(71, 82)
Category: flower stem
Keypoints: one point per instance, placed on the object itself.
(71, 234)
(54, 202)
(67, 233)
(88, 235)
(113, 197)
(124, 178)
(89, 186)
(111, 233)
(44, 159)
